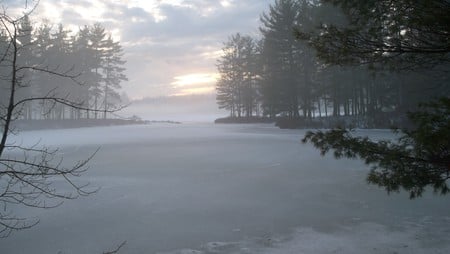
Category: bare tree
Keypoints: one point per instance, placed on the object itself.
(28, 174)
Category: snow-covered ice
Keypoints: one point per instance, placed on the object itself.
(204, 188)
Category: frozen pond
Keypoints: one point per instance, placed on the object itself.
(204, 188)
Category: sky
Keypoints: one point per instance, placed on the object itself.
(171, 46)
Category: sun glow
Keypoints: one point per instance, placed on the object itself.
(195, 83)
(225, 3)
(195, 79)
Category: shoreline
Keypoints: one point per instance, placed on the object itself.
(347, 122)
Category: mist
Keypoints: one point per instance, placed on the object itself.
(184, 109)
(190, 126)
(200, 188)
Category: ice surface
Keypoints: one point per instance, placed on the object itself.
(204, 188)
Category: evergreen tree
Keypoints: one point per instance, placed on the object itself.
(400, 35)
(33, 176)
(42, 43)
(280, 58)
(83, 54)
(97, 41)
(237, 88)
(395, 35)
(25, 89)
(113, 72)
(59, 52)
(308, 64)
(290, 66)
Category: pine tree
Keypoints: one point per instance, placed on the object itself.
(404, 34)
(42, 43)
(289, 66)
(113, 71)
(59, 52)
(280, 57)
(97, 39)
(25, 30)
(400, 35)
(83, 54)
(237, 89)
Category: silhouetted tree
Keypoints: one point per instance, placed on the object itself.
(24, 32)
(389, 37)
(113, 71)
(31, 175)
(97, 41)
(397, 35)
(289, 67)
(280, 59)
(83, 55)
(404, 34)
(237, 89)
(58, 56)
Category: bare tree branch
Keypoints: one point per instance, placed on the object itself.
(31, 176)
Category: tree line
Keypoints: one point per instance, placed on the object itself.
(91, 57)
(285, 73)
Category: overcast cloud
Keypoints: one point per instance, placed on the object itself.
(164, 40)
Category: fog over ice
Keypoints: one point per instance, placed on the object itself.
(188, 108)
(204, 188)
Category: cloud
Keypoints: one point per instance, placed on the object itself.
(162, 39)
